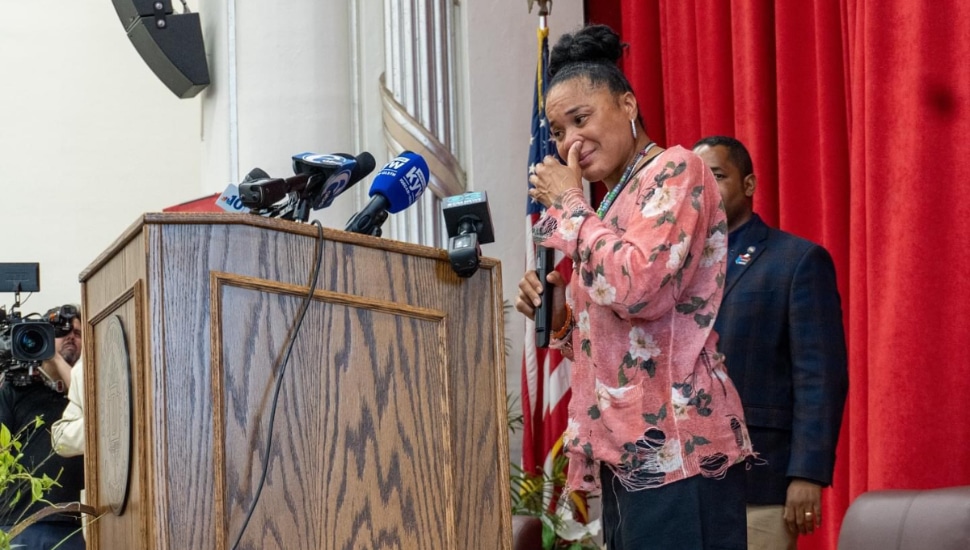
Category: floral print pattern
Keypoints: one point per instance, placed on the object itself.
(650, 395)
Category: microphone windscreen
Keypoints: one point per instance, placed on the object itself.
(365, 165)
(401, 181)
(328, 165)
(255, 174)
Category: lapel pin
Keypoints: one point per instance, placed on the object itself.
(743, 259)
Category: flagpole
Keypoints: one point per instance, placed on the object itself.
(545, 7)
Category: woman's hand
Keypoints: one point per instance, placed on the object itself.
(530, 292)
(551, 178)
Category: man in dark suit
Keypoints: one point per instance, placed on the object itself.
(780, 325)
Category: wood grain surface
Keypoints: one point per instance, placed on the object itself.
(390, 430)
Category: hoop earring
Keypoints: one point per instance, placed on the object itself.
(633, 127)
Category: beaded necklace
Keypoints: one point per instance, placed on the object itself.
(611, 196)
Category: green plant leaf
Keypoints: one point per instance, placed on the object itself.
(548, 536)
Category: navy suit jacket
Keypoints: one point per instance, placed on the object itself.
(780, 327)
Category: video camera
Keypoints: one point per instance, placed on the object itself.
(26, 341)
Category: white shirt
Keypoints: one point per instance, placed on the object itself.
(67, 434)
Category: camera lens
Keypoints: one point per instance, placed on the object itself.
(31, 341)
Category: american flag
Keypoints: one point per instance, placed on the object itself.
(545, 373)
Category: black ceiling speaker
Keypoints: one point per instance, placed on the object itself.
(170, 43)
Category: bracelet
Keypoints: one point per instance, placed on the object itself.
(566, 327)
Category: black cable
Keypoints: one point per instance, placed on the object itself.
(291, 338)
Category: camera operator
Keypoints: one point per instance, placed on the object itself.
(67, 434)
(45, 396)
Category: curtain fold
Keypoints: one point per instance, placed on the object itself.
(755, 105)
(911, 118)
(857, 115)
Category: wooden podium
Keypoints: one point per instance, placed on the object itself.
(390, 430)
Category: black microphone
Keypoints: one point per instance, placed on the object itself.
(263, 192)
(469, 224)
(331, 175)
(255, 174)
(230, 199)
(319, 180)
(545, 258)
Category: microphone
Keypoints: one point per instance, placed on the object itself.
(396, 187)
(331, 175)
(255, 174)
(469, 224)
(230, 199)
(263, 192)
(545, 258)
(319, 180)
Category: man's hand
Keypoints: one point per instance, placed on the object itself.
(803, 506)
(58, 369)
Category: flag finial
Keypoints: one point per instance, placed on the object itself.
(545, 6)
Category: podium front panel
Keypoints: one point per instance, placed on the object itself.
(390, 428)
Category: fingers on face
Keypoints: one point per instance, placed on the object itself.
(574, 153)
(548, 162)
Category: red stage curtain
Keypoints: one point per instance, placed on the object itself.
(857, 113)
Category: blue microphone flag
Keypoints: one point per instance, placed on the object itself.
(401, 181)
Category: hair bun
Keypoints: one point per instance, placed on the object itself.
(591, 44)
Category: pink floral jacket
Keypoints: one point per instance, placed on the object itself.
(650, 395)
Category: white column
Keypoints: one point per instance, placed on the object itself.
(281, 84)
(420, 106)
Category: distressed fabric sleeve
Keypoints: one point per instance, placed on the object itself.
(663, 243)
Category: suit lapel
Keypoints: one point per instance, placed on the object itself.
(754, 243)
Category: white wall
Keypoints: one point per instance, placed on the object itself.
(89, 140)
(291, 70)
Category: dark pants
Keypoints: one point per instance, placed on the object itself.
(45, 535)
(696, 513)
